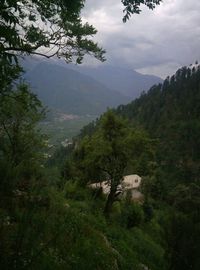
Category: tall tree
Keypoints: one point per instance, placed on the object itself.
(50, 28)
(32, 27)
(110, 150)
(21, 142)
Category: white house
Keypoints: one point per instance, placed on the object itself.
(130, 182)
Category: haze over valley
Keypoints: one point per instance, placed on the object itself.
(99, 135)
(76, 95)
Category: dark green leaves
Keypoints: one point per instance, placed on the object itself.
(133, 6)
(28, 26)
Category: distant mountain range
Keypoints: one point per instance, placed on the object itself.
(84, 90)
(70, 91)
(123, 80)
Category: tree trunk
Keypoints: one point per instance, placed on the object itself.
(109, 203)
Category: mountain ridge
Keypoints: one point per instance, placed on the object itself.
(71, 91)
(123, 80)
(84, 90)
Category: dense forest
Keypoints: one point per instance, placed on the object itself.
(169, 113)
(50, 216)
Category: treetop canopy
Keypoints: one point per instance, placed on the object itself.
(52, 28)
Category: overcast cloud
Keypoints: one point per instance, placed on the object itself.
(154, 42)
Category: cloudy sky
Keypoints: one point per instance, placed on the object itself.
(154, 42)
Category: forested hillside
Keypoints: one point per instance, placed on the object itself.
(170, 113)
(54, 211)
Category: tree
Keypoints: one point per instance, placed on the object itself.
(28, 221)
(21, 181)
(182, 229)
(33, 26)
(133, 6)
(21, 143)
(110, 150)
(46, 28)
(49, 28)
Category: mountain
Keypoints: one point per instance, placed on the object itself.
(123, 80)
(170, 112)
(166, 106)
(69, 91)
(79, 89)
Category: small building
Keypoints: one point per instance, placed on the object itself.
(130, 183)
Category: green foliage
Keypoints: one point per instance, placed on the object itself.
(163, 232)
(136, 248)
(127, 248)
(59, 131)
(64, 233)
(46, 223)
(29, 26)
(73, 190)
(133, 6)
(132, 215)
(182, 237)
(21, 143)
(107, 153)
(21, 161)
(187, 199)
(170, 112)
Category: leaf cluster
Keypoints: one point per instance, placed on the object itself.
(133, 6)
(46, 28)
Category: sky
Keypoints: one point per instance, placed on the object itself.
(155, 42)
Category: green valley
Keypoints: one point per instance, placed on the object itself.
(99, 164)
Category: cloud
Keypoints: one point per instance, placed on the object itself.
(154, 42)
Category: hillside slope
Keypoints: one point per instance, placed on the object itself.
(70, 91)
(171, 113)
(123, 80)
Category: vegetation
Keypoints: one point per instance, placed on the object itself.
(168, 220)
(52, 219)
(110, 151)
(59, 132)
(28, 26)
(170, 112)
(133, 6)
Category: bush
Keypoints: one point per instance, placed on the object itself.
(132, 215)
(73, 190)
